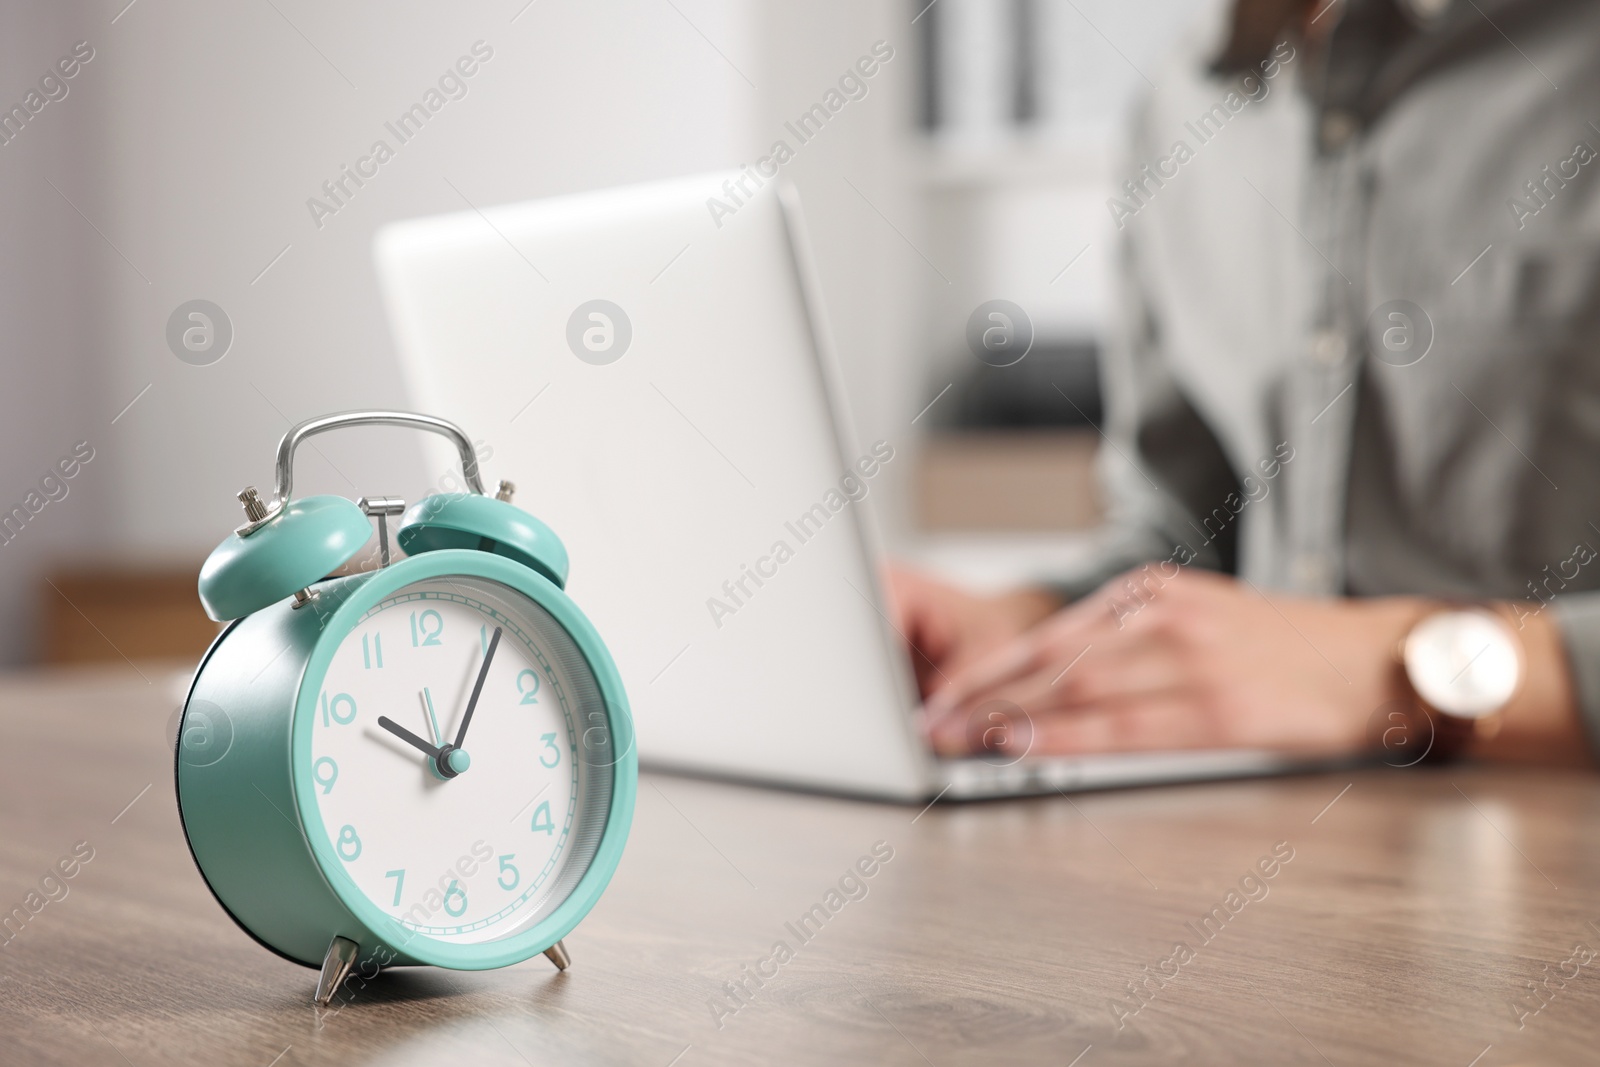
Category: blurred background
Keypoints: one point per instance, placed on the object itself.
(179, 162)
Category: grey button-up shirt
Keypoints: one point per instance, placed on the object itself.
(1358, 348)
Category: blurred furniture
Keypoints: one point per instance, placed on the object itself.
(111, 613)
(1415, 910)
(1022, 109)
(1012, 448)
(1008, 480)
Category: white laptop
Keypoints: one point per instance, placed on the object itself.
(656, 378)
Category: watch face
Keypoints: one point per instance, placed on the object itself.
(464, 838)
(1464, 663)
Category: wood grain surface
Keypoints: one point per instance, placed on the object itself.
(1415, 910)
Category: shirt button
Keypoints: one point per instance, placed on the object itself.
(1311, 572)
(1329, 348)
(1337, 128)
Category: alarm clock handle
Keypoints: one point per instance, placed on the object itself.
(311, 427)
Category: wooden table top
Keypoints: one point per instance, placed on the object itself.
(1405, 916)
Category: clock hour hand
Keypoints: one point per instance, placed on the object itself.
(407, 736)
(477, 688)
(446, 761)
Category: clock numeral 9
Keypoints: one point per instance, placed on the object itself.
(459, 894)
(420, 626)
(550, 750)
(330, 709)
(542, 819)
(332, 774)
(349, 845)
(528, 685)
(507, 867)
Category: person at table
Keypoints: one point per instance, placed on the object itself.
(1352, 443)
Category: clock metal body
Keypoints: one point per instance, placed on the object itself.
(428, 763)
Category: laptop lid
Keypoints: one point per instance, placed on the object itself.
(649, 366)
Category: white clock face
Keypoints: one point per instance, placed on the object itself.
(462, 838)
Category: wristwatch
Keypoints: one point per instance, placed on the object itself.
(1463, 666)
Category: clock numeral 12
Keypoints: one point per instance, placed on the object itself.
(374, 651)
(420, 628)
(399, 880)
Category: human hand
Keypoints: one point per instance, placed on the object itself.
(1199, 660)
(950, 629)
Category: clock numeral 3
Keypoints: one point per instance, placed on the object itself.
(330, 709)
(332, 773)
(528, 686)
(460, 895)
(428, 626)
(542, 819)
(507, 867)
(399, 881)
(550, 750)
(349, 845)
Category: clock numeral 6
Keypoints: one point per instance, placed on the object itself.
(428, 625)
(399, 881)
(349, 845)
(330, 709)
(508, 868)
(542, 819)
(455, 891)
(550, 750)
(332, 773)
(528, 686)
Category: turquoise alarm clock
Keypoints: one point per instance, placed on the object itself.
(430, 762)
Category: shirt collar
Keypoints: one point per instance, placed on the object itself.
(1378, 49)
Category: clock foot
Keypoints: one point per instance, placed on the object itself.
(557, 954)
(336, 966)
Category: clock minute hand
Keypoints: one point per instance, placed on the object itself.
(477, 688)
(407, 736)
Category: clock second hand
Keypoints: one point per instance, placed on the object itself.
(433, 720)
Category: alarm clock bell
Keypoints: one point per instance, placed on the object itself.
(488, 524)
(260, 564)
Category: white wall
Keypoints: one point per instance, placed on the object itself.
(226, 120)
(865, 226)
(52, 271)
(194, 138)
